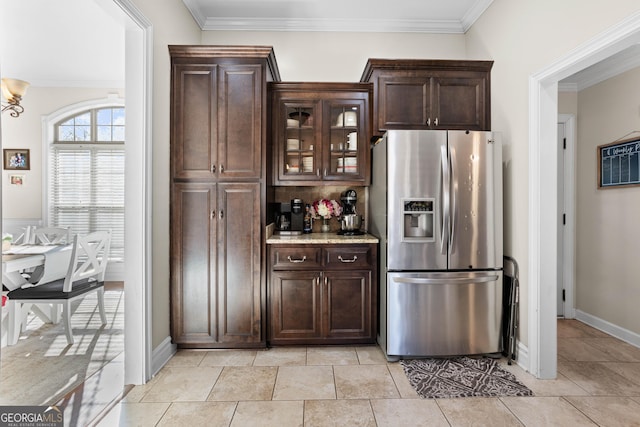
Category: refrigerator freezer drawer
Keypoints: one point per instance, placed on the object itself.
(443, 314)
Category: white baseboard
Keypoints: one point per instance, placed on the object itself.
(115, 272)
(161, 355)
(522, 356)
(611, 329)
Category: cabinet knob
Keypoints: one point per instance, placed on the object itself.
(221, 168)
(355, 257)
(303, 259)
(435, 122)
(221, 214)
(429, 121)
(213, 168)
(212, 215)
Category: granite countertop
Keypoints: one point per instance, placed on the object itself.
(321, 238)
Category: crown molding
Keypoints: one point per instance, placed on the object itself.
(333, 25)
(337, 24)
(474, 13)
(193, 7)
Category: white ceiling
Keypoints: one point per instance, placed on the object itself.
(68, 43)
(76, 43)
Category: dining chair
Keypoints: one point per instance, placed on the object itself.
(24, 238)
(85, 274)
(51, 235)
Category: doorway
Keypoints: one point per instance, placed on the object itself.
(543, 228)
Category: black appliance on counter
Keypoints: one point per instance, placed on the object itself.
(289, 217)
(350, 221)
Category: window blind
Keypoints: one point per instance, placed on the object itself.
(86, 190)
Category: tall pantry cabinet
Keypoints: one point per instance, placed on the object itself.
(218, 187)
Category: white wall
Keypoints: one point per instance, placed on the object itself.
(25, 132)
(523, 37)
(172, 24)
(340, 57)
(607, 267)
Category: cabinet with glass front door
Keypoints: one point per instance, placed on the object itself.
(320, 133)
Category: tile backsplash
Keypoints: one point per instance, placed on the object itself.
(311, 194)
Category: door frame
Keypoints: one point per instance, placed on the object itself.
(543, 187)
(138, 192)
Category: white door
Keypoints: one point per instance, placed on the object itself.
(566, 215)
(562, 219)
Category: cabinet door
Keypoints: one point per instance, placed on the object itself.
(298, 140)
(295, 305)
(459, 102)
(193, 268)
(348, 305)
(345, 146)
(239, 279)
(240, 121)
(404, 102)
(194, 120)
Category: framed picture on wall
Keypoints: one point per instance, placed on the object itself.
(16, 159)
(16, 179)
(619, 164)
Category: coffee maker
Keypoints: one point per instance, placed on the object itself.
(350, 222)
(289, 217)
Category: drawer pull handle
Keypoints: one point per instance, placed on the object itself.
(355, 257)
(303, 259)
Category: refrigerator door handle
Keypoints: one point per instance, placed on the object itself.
(444, 159)
(454, 212)
(445, 281)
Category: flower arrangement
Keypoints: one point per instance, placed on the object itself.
(325, 209)
(7, 239)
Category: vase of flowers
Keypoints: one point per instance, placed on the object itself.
(325, 209)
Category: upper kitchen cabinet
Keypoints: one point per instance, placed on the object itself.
(218, 102)
(430, 94)
(321, 133)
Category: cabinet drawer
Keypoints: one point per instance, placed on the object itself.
(295, 258)
(348, 257)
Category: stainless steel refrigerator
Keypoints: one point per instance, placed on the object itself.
(436, 205)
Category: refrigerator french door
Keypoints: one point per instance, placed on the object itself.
(436, 204)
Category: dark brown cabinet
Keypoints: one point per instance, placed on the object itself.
(430, 94)
(323, 294)
(320, 133)
(218, 189)
(216, 267)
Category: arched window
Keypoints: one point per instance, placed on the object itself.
(86, 174)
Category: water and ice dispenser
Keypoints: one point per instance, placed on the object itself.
(419, 217)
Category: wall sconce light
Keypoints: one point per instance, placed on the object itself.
(13, 90)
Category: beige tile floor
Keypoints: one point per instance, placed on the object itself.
(598, 383)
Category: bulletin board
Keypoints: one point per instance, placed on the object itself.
(619, 164)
